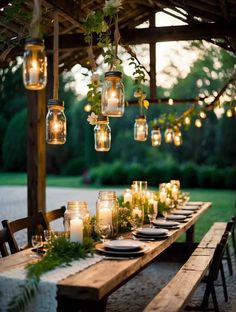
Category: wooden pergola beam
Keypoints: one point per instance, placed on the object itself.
(153, 34)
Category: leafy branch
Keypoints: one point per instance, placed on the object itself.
(60, 251)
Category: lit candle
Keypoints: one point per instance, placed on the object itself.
(76, 230)
(163, 195)
(141, 133)
(34, 73)
(127, 196)
(137, 212)
(168, 201)
(112, 104)
(105, 216)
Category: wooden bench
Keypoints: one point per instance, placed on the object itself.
(176, 294)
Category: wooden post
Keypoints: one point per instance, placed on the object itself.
(152, 47)
(36, 152)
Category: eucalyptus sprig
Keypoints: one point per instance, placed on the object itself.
(60, 252)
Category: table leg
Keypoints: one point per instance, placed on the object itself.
(190, 235)
(73, 305)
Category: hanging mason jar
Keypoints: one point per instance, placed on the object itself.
(107, 213)
(156, 136)
(102, 134)
(169, 135)
(34, 64)
(177, 137)
(141, 129)
(55, 122)
(198, 123)
(73, 220)
(113, 98)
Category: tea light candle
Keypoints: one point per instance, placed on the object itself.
(76, 230)
(137, 212)
(105, 216)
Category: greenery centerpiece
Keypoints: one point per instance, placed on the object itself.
(60, 252)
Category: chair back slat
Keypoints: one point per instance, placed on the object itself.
(5, 238)
(217, 257)
(55, 214)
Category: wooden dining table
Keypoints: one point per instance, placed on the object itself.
(90, 288)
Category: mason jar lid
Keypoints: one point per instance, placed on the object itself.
(155, 128)
(114, 73)
(107, 195)
(55, 102)
(102, 118)
(142, 117)
(35, 41)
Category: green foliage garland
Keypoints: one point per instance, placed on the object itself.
(60, 252)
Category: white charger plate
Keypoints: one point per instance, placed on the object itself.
(165, 223)
(152, 232)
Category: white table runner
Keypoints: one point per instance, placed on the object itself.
(45, 300)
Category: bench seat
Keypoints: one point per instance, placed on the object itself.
(176, 294)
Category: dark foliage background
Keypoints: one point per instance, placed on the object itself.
(207, 157)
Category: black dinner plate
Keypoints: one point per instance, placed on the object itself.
(101, 249)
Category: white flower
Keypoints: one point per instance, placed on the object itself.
(116, 4)
(95, 77)
(92, 119)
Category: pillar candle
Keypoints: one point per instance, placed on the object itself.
(105, 216)
(76, 230)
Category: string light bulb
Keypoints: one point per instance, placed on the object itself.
(202, 114)
(170, 102)
(198, 123)
(187, 120)
(229, 113)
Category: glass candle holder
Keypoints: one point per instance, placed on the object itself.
(55, 122)
(127, 195)
(102, 134)
(34, 64)
(107, 210)
(156, 137)
(141, 129)
(73, 221)
(177, 137)
(113, 99)
(169, 135)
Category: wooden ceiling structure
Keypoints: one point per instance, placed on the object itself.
(211, 20)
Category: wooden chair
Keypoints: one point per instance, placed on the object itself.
(54, 215)
(227, 256)
(5, 238)
(212, 276)
(35, 223)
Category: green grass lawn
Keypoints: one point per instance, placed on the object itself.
(223, 201)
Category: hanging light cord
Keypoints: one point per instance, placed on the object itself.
(55, 56)
(36, 19)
